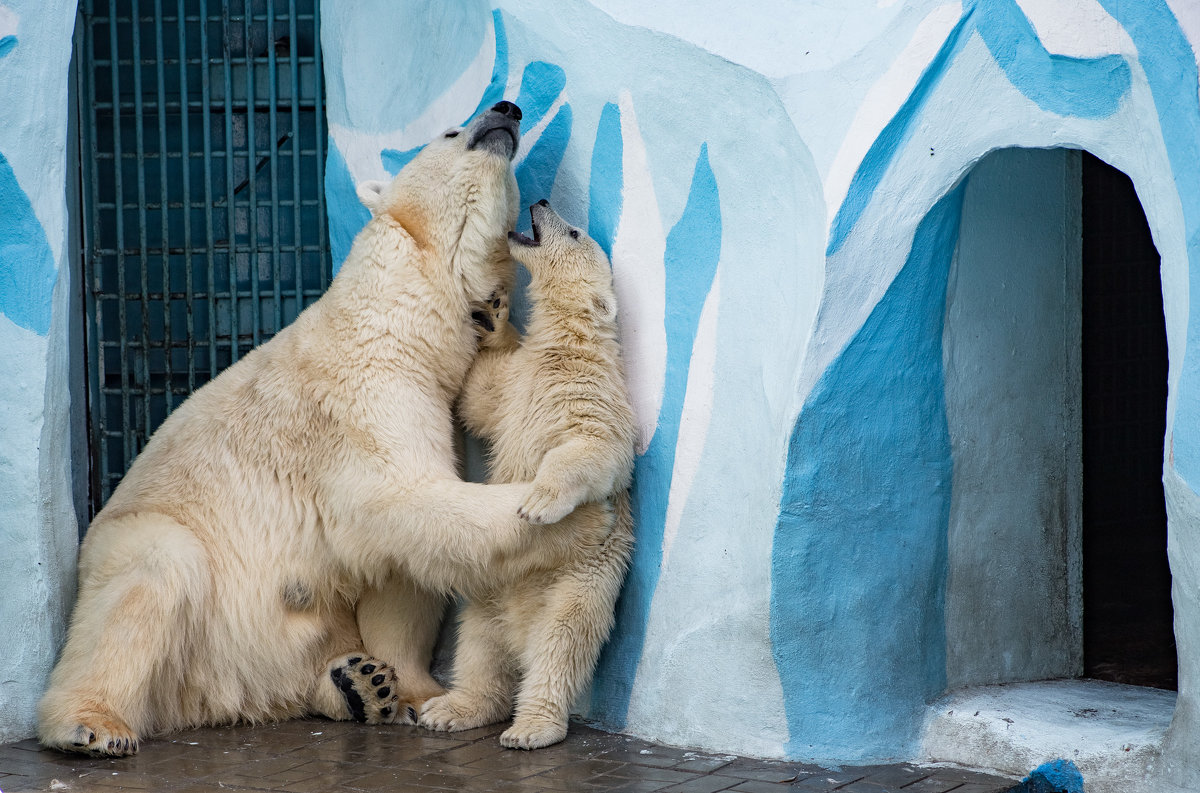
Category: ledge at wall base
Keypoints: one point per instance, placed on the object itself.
(1112, 732)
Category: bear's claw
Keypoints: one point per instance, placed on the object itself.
(490, 315)
(533, 733)
(368, 688)
(98, 735)
(544, 507)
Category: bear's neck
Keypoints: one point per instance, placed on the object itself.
(391, 301)
(559, 321)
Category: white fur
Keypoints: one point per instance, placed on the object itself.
(220, 582)
(552, 404)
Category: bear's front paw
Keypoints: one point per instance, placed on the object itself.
(368, 689)
(533, 733)
(456, 711)
(545, 505)
(96, 734)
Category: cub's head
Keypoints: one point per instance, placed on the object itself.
(564, 263)
(458, 196)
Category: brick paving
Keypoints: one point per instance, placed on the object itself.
(313, 756)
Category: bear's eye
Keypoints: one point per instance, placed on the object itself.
(451, 134)
(574, 234)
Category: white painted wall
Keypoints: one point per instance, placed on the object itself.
(38, 529)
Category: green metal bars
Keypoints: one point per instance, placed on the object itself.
(202, 148)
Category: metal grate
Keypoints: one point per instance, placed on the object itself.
(202, 143)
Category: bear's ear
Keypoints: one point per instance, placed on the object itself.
(605, 309)
(371, 195)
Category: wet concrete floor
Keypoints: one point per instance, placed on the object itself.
(314, 756)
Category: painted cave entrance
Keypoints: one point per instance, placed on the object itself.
(1055, 359)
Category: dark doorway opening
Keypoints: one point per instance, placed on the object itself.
(1128, 635)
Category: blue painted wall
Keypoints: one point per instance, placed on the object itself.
(781, 204)
(857, 573)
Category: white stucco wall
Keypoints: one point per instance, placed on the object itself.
(38, 530)
(782, 192)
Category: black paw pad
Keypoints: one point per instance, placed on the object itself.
(363, 683)
(354, 700)
(483, 320)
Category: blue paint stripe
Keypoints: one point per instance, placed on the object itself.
(7, 44)
(1166, 59)
(537, 172)
(495, 90)
(541, 84)
(394, 160)
(859, 555)
(347, 215)
(1083, 87)
(27, 267)
(692, 253)
(604, 190)
(893, 137)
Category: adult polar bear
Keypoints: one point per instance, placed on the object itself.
(220, 581)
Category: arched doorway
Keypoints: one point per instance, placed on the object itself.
(1056, 372)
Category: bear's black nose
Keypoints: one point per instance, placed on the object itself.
(543, 203)
(506, 108)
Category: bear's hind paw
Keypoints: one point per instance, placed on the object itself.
(368, 689)
(97, 735)
(533, 733)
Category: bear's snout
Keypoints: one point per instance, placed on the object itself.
(498, 130)
(506, 108)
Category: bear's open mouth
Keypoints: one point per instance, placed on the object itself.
(528, 242)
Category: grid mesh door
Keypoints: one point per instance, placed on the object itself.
(1128, 619)
(203, 149)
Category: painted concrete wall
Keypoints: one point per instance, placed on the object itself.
(1011, 354)
(783, 190)
(38, 529)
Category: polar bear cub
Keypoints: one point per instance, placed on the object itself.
(554, 407)
(228, 577)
